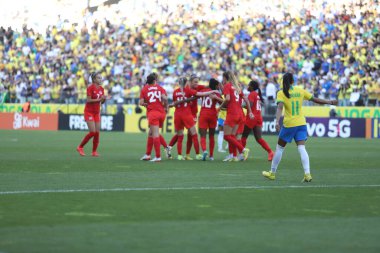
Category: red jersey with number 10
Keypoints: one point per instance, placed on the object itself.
(95, 92)
(234, 105)
(152, 95)
(208, 104)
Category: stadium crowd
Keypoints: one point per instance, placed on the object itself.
(333, 50)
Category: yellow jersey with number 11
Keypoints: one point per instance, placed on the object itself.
(293, 106)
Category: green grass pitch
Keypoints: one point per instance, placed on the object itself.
(53, 200)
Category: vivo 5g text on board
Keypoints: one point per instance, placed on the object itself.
(334, 129)
(325, 127)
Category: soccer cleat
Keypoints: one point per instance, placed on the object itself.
(188, 158)
(221, 151)
(246, 153)
(204, 156)
(199, 157)
(234, 159)
(270, 156)
(145, 158)
(211, 158)
(80, 151)
(269, 174)
(228, 158)
(180, 158)
(156, 160)
(241, 157)
(168, 151)
(307, 178)
(95, 154)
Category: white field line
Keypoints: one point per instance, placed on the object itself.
(256, 187)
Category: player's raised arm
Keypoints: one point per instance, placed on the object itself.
(324, 101)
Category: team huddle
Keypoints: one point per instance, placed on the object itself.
(228, 95)
(224, 97)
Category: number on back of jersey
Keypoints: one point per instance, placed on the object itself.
(154, 96)
(258, 106)
(181, 99)
(206, 102)
(236, 96)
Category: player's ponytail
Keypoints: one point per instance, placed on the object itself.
(255, 86)
(182, 82)
(287, 80)
(230, 76)
(92, 77)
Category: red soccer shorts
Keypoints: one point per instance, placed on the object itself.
(257, 121)
(207, 121)
(89, 116)
(233, 120)
(156, 118)
(183, 120)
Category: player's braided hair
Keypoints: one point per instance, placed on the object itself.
(287, 80)
(255, 86)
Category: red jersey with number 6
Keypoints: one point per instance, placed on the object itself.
(152, 95)
(255, 100)
(95, 92)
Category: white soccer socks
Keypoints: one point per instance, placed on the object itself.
(304, 158)
(277, 158)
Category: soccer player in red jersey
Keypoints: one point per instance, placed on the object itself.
(193, 103)
(208, 118)
(255, 100)
(155, 99)
(183, 117)
(232, 93)
(95, 96)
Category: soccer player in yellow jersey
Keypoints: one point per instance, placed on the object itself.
(294, 124)
(221, 119)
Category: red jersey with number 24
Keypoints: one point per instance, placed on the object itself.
(95, 92)
(152, 95)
